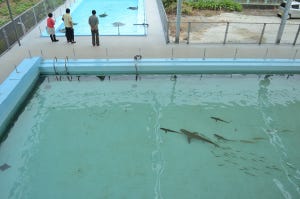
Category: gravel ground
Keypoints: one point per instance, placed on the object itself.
(244, 27)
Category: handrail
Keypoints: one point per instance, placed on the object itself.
(54, 68)
(136, 58)
(259, 32)
(141, 24)
(67, 71)
(66, 60)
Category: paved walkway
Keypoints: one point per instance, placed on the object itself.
(151, 46)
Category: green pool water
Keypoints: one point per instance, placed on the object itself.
(102, 139)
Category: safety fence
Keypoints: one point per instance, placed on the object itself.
(164, 19)
(260, 2)
(233, 33)
(25, 22)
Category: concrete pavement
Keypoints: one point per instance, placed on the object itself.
(150, 46)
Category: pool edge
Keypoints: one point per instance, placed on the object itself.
(15, 89)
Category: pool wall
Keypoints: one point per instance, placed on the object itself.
(18, 85)
(15, 89)
(170, 66)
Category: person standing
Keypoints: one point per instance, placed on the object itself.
(94, 22)
(50, 27)
(69, 26)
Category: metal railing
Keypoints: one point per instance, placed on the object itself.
(233, 33)
(25, 22)
(260, 2)
(164, 19)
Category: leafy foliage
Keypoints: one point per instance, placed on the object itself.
(189, 5)
(171, 6)
(18, 7)
(4, 11)
(228, 5)
(168, 3)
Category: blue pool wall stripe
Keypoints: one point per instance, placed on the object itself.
(171, 66)
(20, 82)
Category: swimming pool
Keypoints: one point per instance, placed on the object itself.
(103, 138)
(113, 12)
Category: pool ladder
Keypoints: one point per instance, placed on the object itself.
(55, 71)
(66, 69)
(57, 75)
(136, 59)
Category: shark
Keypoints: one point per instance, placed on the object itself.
(248, 141)
(219, 119)
(194, 135)
(103, 15)
(4, 166)
(132, 8)
(169, 130)
(63, 30)
(244, 141)
(221, 137)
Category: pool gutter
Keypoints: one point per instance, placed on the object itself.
(170, 66)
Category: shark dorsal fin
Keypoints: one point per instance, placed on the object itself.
(189, 139)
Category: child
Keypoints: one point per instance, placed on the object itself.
(50, 27)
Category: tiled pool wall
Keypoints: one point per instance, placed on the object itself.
(15, 89)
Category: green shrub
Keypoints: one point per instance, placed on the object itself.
(186, 9)
(171, 6)
(3, 21)
(229, 5)
(169, 3)
(4, 11)
(2, 47)
(18, 7)
(188, 5)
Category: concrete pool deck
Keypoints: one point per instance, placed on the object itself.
(152, 45)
